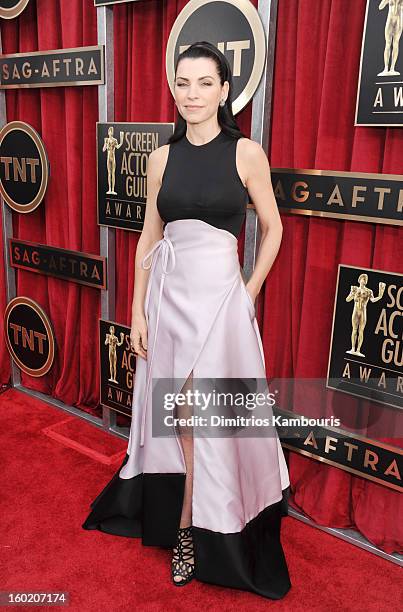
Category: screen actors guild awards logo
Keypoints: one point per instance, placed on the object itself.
(122, 176)
(380, 93)
(361, 296)
(393, 31)
(112, 341)
(110, 145)
(372, 367)
(117, 366)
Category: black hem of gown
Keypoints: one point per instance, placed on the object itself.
(149, 506)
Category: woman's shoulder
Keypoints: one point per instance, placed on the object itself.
(251, 151)
(159, 153)
(250, 146)
(159, 156)
(157, 161)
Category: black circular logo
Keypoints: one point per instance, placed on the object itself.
(29, 336)
(12, 8)
(235, 28)
(24, 167)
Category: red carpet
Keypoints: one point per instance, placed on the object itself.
(46, 490)
(84, 437)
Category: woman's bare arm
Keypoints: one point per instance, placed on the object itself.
(258, 182)
(152, 230)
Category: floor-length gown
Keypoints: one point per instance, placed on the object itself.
(201, 321)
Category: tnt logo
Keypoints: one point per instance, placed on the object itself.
(24, 167)
(29, 336)
(242, 39)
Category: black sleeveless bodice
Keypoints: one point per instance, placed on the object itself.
(202, 182)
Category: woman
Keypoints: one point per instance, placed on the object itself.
(216, 499)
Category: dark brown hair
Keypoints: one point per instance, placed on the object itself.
(225, 116)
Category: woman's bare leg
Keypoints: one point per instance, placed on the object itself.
(186, 438)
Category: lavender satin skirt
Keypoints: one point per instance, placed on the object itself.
(202, 318)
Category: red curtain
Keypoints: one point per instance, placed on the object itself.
(316, 71)
(66, 120)
(315, 84)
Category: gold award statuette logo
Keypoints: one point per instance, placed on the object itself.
(24, 167)
(29, 336)
(393, 32)
(118, 366)
(12, 8)
(242, 40)
(110, 146)
(112, 341)
(361, 295)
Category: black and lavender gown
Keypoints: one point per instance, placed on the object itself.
(201, 320)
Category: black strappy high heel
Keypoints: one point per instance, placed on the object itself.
(182, 552)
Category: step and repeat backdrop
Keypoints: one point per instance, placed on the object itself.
(365, 349)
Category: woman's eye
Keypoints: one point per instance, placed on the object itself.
(182, 84)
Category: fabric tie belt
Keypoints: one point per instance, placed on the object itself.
(166, 249)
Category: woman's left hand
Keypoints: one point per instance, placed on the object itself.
(252, 292)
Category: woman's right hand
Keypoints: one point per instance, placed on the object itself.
(138, 336)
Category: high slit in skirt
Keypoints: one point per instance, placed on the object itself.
(201, 320)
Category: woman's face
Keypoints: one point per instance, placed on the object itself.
(198, 90)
